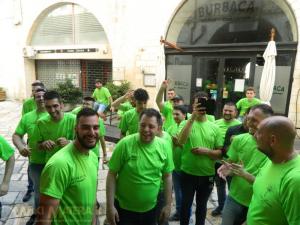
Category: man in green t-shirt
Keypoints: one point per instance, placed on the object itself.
(55, 130)
(123, 104)
(276, 187)
(243, 150)
(129, 123)
(228, 120)
(166, 108)
(29, 149)
(202, 146)
(138, 163)
(69, 180)
(6, 154)
(28, 106)
(88, 102)
(179, 115)
(245, 103)
(103, 98)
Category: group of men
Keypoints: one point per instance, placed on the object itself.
(158, 152)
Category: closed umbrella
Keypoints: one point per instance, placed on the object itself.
(269, 71)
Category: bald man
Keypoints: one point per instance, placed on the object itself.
(276, 190)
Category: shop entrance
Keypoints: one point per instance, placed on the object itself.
(223, 78)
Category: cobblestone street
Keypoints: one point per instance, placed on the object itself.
(15, 212)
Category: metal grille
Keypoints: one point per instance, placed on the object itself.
(69, 25)
(52, 72)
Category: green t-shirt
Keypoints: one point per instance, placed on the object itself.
(203, 134)
(124, 107)
(76, 110)
(6, 151)
(140, 168)
(28, 106)
(129, 123)
(47, 129)
(243, 104)
(177, 151)
(101, 95)
(71, 177)
(244, 148)
(224, 125)
(26, 126)
(102, 131)
(167, 112)
(276, 195)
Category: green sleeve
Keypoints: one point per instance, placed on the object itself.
(123, 124)
(102, 131)
(21, 128)
(232, 151)
(219, 140)
(6, 151)
(238, 104)
(55, 179)
(290, 196)
(116, 162)
(107, 93)
(94, 95)
(169, 164)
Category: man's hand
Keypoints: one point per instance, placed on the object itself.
(104, 159)
(62, 142)
(129, 94)
(164, 215)
(112, 216)
(48, 145)
(165, 84)
(199, 151)
(25, 151)
(225, 170)
(3, 189)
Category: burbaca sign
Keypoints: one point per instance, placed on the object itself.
(225, 9)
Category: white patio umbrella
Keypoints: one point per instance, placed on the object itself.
(269, 71)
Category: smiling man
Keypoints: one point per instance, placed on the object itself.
(55, 130)
(69, 180)
(243, 150)
(138, 164)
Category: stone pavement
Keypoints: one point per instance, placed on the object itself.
(14, 211)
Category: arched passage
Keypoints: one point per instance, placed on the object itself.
(223, 42)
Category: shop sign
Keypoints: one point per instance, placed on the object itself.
(75, 50)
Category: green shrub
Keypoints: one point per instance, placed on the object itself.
(68, 92)
(117, 91)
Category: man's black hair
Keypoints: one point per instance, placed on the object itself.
(38, 84)
(200, 94)
(49, 95)
(266, 109)
(40, 89)
(183, 109)
(141, 94)
(231, 104)
(150, 112)
(88, 98)
(86, 112)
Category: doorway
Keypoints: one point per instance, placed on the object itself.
(223, 78)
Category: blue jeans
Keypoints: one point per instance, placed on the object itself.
(233, 213)
(30, 182)
(35, 172)
(100, 107)
(176, 175)
(202, 186)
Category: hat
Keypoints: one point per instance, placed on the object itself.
(177, 98)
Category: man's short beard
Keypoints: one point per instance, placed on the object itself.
(82, 143)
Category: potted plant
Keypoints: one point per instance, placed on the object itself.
(70, 95)
(2, 94)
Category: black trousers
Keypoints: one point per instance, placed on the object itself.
(135, 218)
(202, 186)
